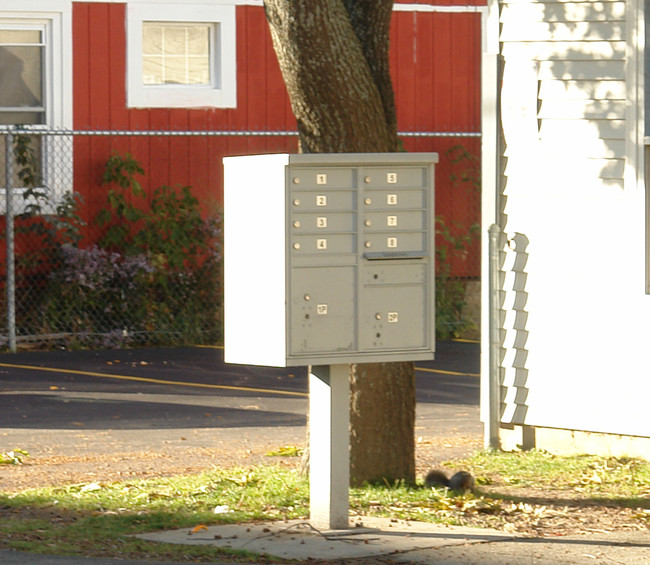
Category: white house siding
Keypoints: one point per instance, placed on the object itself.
(576, 319)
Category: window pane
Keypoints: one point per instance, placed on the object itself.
(21, 72)
(175, 70)
(198, 40)
(174, 40)
(12, 118)
(198, 70)
(152, 69)
(20, 36)
(152, 39)
(175, 53)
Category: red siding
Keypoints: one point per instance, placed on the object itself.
(435, 61)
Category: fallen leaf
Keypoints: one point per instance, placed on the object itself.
(199, 528)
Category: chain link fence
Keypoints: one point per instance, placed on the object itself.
(95, 255)
(113, 239)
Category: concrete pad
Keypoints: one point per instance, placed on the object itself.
(296, 539)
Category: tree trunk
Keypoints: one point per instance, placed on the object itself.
(382, 422)
(333, 55)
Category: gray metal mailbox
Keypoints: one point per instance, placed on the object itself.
(329, 258)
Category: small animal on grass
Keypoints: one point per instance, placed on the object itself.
(462, 481)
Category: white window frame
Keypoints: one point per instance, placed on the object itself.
(56, 25)
(221, 94)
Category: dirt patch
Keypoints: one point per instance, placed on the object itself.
(103, 458)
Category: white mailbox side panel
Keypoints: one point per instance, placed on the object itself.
(254, 259)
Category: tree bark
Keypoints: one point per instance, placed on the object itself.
(336, 96)
(334, 58)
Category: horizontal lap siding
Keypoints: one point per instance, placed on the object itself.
(579, 52)
(563, 113)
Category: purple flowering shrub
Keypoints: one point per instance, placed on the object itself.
(98, 294)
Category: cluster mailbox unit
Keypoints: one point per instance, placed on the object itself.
(329, 258)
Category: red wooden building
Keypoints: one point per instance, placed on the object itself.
(198, 66)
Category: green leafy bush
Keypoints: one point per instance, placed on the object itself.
(154, 277)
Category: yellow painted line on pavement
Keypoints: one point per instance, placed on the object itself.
(148, 380)
(443, 372)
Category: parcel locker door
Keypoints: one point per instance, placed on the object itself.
(393, 318)
(322, 312)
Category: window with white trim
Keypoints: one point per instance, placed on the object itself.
(36, 92)
(181, 55)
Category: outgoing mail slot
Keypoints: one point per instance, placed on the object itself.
(382, 274)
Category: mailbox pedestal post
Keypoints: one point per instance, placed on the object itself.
(329, 446)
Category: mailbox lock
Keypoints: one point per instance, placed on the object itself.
(367, 180)
(377, 316)
(296, 246)
(296, 202)
(296, 224)
(368, 201)
(368, 244)
(307, 297)
(296, 180)
(368, 223)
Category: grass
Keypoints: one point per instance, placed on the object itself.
(615, 479)
(98, 519)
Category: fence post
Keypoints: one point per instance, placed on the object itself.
(10, 259)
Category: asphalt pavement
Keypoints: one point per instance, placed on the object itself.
(188, 397)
